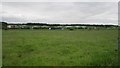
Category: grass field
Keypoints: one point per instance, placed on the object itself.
(59, 47)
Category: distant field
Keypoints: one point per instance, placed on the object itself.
(59, 47)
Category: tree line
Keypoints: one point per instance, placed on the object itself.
(6, 25)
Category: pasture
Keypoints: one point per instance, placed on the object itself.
(59, 47)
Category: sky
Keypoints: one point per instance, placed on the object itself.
(60, 0)
(60, 12)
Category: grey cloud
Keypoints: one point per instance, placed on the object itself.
(62, 12)
(60, 0)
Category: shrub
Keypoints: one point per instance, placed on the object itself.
(71, 29)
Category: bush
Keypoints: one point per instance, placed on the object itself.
(26, 28)
(36, 27)
(71, 29)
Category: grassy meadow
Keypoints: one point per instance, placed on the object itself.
(59, 47)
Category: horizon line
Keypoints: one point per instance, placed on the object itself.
(60, 23)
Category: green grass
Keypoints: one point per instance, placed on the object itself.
(59, 47)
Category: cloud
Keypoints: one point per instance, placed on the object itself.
(60, 0)
(60, 12)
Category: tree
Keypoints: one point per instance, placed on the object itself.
(4, 25)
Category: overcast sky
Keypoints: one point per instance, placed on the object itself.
(61, 12)
(60, 0)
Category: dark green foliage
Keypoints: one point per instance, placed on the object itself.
(71, 29)
(4, 25)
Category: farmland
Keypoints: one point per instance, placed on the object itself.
(59, 47)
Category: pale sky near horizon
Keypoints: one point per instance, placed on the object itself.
(61, 12)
